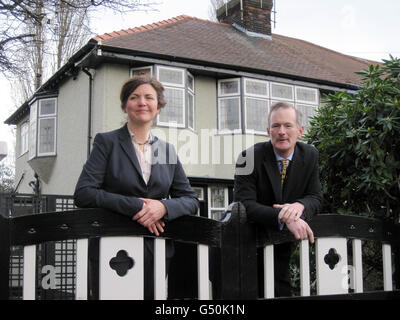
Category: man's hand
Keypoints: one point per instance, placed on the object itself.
(290, 212)
(150, 215)
(301, 230)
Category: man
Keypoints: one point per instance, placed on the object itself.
(280, 195)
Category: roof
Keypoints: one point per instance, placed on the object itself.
(219, 43)
(209, 43)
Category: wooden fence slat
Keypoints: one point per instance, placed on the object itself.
(304, 268)
(332, 266)
(387, 267)
(269, 286)
(121, 287)
(357, 272)
(29, 281)
(81, 290)
(203, 272)
(160, 284)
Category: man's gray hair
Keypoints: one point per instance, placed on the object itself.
(284, 105)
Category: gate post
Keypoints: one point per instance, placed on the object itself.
(234, 268)
(4, 258)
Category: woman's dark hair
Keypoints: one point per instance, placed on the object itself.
(131, 84)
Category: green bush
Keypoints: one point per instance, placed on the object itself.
(358, 137)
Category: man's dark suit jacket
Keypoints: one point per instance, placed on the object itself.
(112, 178)
(260, 188)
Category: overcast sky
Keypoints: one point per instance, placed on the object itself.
(364, 28)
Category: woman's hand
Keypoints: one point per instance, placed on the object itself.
(150, 215)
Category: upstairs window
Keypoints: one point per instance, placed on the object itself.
(179, 94)
(43, 128)
(229, 114)
(256, 105)
(173, 80)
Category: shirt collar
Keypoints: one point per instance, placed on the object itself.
(279, 158)
(150, 138)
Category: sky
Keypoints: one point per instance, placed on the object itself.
(363, 28)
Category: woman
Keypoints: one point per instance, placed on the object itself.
(132, 172)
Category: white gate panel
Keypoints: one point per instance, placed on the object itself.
(29, 281)
(81, 269)
(332, 267)
(121, 287)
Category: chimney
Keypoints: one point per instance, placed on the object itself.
(250, 16)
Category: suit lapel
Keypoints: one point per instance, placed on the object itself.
(126, 144)
(271, 167)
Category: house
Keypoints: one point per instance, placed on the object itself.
(220, 79)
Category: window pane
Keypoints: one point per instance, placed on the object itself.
(47, 107)
(173, 111)
(32, 130)
(307, 112)
(306, 95)
(190, 111)
(256, 114)
(171, 76)
(142, 72)
(47, 135)
(229, 87)
(229, 113)
(259, 88)
(190, 82)
(217, 197)
(280, 91)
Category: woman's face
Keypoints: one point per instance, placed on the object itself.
(142, 105)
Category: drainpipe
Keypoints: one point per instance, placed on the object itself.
(89, 136)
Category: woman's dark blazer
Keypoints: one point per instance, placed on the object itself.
(112, 179)
(261, 188)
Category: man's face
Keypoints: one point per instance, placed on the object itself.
(284, 131)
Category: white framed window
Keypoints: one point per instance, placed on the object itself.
(307, 111)
(173, 80)
(280, 91)
(228, 87)
(24, 138)
(307, 95)
(43, 128)
(229, 106)
(256, 88)
(256, 105)
(190, 102)
(217, 201)
(142, 71)
(32, 130)
(256, 115)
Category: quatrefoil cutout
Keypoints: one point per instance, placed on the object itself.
(332, 258)
(121, 263)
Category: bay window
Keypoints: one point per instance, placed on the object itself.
(43, 128)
